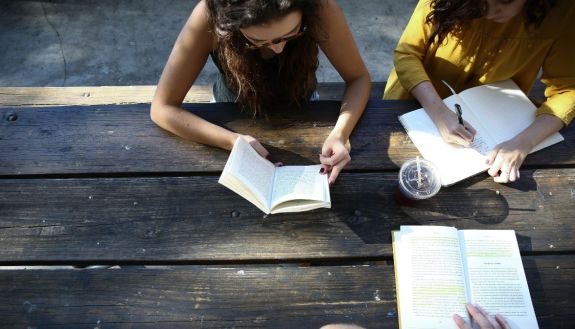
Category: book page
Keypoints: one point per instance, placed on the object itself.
(496, 278)
(250, 172)
(454, 162)
(504, 110)
(430, 277)
(299, 183)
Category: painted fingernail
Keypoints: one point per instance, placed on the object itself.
(321, 171)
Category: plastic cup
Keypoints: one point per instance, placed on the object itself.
(418, 179)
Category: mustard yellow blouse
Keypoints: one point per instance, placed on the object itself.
(487, 52)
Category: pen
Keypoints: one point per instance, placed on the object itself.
(459, 114)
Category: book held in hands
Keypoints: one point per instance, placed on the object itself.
(274, 189)
(498, 112)
(438, 269)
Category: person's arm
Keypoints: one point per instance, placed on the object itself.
(341, 50)
(446, 121)
(507, 157)
(555, 113)
(408, 63)
(186, 60)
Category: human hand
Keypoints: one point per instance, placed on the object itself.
(260, 149)
(506, 158)
(451, 130)
(484, 320)
(334, 156)
(341, 326)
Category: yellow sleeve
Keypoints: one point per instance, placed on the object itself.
(559, 77)
(411, 48)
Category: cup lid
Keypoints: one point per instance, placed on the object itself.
(419, 179)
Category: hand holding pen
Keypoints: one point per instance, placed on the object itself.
(462, 133)
(452, 127)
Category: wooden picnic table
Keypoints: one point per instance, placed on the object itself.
(91, 185)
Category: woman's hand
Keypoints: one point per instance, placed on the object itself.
(334, 156)
(506, 159)
(484, 320)
(451, 130)
(446, 120)
(257, 146)
(260, 149)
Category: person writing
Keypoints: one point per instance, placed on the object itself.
(473, 42)
(267, 54)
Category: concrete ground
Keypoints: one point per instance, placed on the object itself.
(127, 42)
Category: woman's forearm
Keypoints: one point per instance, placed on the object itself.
(353, 104)
(543, 126)
(428, 97)
(191, 127)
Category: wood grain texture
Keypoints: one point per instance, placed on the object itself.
(194, 219)
(113, 95)
(123, 139)
(90, 95)
(241, 296)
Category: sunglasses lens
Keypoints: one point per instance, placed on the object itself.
(276, 41)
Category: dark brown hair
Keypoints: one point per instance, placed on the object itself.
(450, 16)
(257, 85)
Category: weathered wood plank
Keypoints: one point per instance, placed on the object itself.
(246, 296)
(122, 139)
(194, 219)
(110, 95)
(91, 95)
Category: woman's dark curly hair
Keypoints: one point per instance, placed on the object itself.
(245, 72)
(450, 16)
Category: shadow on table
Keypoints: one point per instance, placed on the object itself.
(373, 217)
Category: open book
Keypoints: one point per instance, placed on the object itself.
(274, 189)
(498, 112)
(438, 269)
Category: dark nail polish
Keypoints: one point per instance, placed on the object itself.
(321, 171)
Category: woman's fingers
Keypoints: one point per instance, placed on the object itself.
(470, 128)
(457, 139)
(454, 132)
(492, 155)
(496, 164)
(491, 319)
(333, 159)
(460, 322)
(260, 149)
(334, 164)
(466, 134)
(257, 146)
(478, 317)
(502, 322)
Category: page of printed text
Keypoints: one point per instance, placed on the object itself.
(430, 277)
(496, 277)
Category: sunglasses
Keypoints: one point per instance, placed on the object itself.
(250, 45)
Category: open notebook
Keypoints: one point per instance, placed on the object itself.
(498, 112)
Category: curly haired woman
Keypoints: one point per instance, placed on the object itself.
(473, 42)
(267, 55)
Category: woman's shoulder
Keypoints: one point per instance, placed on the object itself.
(200, 25)
(560, 17)
(327, 6)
